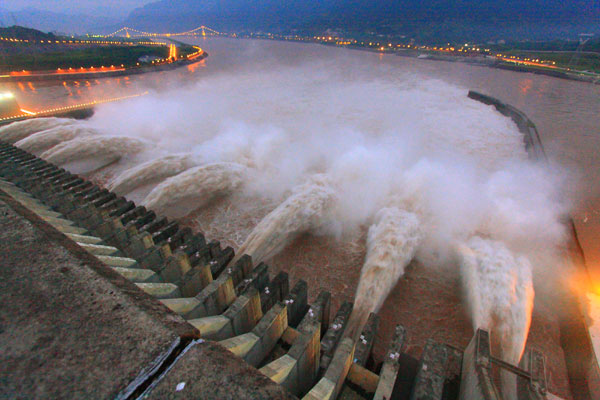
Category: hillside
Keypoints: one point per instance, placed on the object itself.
(20, 32)
(49, 21)
(428, 20)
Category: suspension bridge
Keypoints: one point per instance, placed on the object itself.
(131, 32)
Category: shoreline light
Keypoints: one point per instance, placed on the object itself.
(29, 114)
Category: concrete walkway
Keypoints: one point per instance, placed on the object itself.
(72, 327)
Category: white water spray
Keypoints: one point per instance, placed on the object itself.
(181, 194)
(40, 142)
(16, 131)
(91, 153)
(499, 290)
(391, 245)
(150, 172)
(305, 210)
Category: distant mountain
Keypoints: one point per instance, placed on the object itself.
(432, 20)
(48, 21)
(20, 32)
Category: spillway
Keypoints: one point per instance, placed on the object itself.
(40, 142)
(499, 292)
(392, 241)
(305, 210)
(91, 153)
(151, 172)
(194, 188)
(16, 131)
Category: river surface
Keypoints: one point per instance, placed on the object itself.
(567, 115)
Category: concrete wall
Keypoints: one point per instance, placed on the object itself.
(582, 364)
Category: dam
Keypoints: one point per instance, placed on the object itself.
(227, 326)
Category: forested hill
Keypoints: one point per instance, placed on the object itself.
(20, 32)
(423, 20)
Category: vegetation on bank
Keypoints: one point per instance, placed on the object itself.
(77, 58)
(592, 45)
(580, 62)
(38, 51)
(20, 32)
(565, 53)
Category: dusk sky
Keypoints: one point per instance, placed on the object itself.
(114, 7)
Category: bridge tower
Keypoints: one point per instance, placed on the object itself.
(127, 35)
(583, 39)
(203, 33)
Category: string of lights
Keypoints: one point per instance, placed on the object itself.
(78, 41)
(59, 110)
(196, 54)
(173, 57)
(199, 31)
(69, 70)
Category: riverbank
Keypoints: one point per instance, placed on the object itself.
(32, 56)
(493, 62)
(76, 111)
(471, 58)
(482, 61)
(106, 73)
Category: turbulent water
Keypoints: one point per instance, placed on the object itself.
(194, 188)
(328, 143)
(391, 244)
(153, 171)
(84, 155)
(304, 211)
(19, 130)
(499, 289)
(40, 142)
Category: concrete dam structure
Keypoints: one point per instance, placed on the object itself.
(102, 298)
